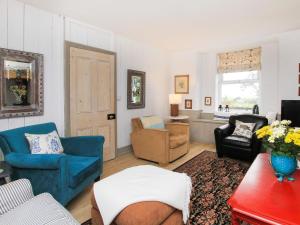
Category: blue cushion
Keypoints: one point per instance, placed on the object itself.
(152, 122)
(80, 167)
(16, 140)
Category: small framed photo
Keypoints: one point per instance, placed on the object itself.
(207, 101)
(188, 104)
(181, 84)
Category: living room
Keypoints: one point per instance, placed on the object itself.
(179, 53)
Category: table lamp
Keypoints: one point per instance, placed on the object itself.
(174, 101)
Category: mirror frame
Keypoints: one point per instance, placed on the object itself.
(36, 107)
(130, 104)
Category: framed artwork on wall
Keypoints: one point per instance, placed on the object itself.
(21, 83)
(181, 84)
(135, 89)
(207, 101)
(188, 104)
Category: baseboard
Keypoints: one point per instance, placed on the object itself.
(124, 150)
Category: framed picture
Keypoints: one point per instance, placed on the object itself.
(135, 89)
(21, 84)
(188, 104)
(207, 101)
(181, 84)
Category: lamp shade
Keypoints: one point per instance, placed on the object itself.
(174, 99)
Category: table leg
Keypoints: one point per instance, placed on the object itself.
(234, 219)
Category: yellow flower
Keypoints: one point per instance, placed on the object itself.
(288, 138)
(264, 131)
(297, 142)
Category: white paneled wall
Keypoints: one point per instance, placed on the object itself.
(85, 34)
(130, 55)
(26, 28)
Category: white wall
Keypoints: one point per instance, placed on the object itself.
(25, 28)
(279, 73)
(289, 55)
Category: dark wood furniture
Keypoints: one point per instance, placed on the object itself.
(5, 173)
(260, 199)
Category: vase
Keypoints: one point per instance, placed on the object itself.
(284, 166)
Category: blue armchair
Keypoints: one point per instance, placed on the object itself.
(62, 175)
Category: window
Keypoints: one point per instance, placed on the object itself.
(239, 90)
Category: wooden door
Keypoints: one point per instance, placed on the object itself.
(92, 95)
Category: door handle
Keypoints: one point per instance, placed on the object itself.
(111, 116)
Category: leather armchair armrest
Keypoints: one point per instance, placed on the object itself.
(36, 161)
(151, 144)
(220, 133)
(83, 145)
(256, 145)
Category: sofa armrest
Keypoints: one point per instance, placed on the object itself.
(220, 133)
(151, 144)
(178, 128)
(83, 145)
(36, 161)
(14, 193)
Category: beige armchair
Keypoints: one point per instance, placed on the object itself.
(160, 145)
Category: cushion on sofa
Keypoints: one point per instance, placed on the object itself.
(237, 141)
(177, 140)
(81, 167)
(152, 122)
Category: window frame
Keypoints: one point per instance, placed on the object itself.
(241, 81)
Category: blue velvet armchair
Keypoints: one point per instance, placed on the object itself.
(62, 175)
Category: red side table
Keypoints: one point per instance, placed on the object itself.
(260, 199)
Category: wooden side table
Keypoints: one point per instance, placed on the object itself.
(260, 199)
(5, 172)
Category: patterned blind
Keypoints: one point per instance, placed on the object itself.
(239, 61)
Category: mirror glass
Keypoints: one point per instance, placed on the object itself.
(17, 83)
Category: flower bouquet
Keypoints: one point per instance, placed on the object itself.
(284, 142)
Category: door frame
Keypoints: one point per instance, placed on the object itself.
(68, 46)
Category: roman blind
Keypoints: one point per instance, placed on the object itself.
(239, 61)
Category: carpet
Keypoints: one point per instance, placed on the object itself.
(214, 181)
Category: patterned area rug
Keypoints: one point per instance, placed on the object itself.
(214, 181)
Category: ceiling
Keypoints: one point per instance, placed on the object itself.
(183, 24)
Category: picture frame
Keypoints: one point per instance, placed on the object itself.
(21, 83)
(207, 101)
(181, 84)
(188, 103)
(135, 89)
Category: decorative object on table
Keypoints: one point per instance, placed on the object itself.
(284, 142)
(220, 108)
(255, 110)
(135, 89)
(174, 100)
(21, 83)
(5, 172)
(188, 103)
(227, 108)
(181, 84)
(207, 101)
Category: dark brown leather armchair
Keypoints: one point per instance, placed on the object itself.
(237, 146)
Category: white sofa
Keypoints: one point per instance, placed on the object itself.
(18, 206)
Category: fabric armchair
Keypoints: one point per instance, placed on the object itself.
(160, 145)
(62, 175)
(238, 146)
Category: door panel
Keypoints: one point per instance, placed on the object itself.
(92, 96)
(83, 85)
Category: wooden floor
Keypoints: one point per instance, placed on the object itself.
(80, 207)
